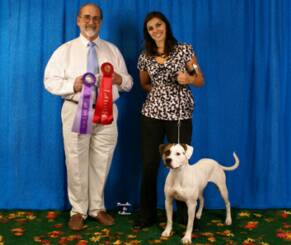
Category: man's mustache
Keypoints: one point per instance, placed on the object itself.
(91, 26)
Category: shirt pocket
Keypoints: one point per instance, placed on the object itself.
(73, 70)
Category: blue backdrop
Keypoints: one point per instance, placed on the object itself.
(244, 49)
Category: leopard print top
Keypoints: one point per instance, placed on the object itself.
(166, 95)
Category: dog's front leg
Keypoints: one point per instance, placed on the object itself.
(191, 204)
(169, 212)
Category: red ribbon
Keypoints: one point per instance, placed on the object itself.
(103, 111)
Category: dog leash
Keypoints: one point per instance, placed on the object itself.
(179, 102)
(179, 114)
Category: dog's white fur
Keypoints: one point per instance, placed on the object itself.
(186, 183)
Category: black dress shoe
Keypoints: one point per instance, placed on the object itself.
(140, 224)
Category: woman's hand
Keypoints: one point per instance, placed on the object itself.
(195, 79)
(183, 78)
(145, 81)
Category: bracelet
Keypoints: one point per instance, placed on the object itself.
(194, 71)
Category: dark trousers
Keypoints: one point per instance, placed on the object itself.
(153, 132)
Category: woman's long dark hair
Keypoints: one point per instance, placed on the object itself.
(150, 45)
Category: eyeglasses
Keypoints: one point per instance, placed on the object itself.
(88, 17)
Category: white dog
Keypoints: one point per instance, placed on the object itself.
(186, 183)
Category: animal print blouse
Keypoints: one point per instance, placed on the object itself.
(167, 100)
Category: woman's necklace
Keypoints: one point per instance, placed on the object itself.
(162, 55)
(161, 52)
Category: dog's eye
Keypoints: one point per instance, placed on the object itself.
(178, 154)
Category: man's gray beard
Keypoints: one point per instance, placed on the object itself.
(90, 32)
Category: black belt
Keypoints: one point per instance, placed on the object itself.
(76, 102)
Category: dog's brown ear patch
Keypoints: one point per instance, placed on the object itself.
(184, 146)
(161, 148)
(165, 149)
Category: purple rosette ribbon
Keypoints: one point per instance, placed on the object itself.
(83, 118)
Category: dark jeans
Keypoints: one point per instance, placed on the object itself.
(153, 132)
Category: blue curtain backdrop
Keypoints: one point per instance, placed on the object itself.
(244, 49)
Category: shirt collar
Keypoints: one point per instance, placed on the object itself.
(85, 41)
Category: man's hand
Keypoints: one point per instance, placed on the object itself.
(116, 78)
(78, 84)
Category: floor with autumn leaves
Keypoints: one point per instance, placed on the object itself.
(50, 227)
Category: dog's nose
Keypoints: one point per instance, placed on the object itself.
(168, 161)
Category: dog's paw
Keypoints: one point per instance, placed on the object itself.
(166, 233)
(228, 221)
(186, 240)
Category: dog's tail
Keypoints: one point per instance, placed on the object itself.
(234, 166)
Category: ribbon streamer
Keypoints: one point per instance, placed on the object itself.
(82, 122)
(103, 111)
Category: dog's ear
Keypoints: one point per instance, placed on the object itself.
(188, 150)
(162, 148)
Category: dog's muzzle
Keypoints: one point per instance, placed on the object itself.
(168, 162)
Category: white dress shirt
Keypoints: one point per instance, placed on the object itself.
(70, 61)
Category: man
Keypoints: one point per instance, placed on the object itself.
(88, 156)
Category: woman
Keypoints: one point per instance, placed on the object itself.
(166, 68)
